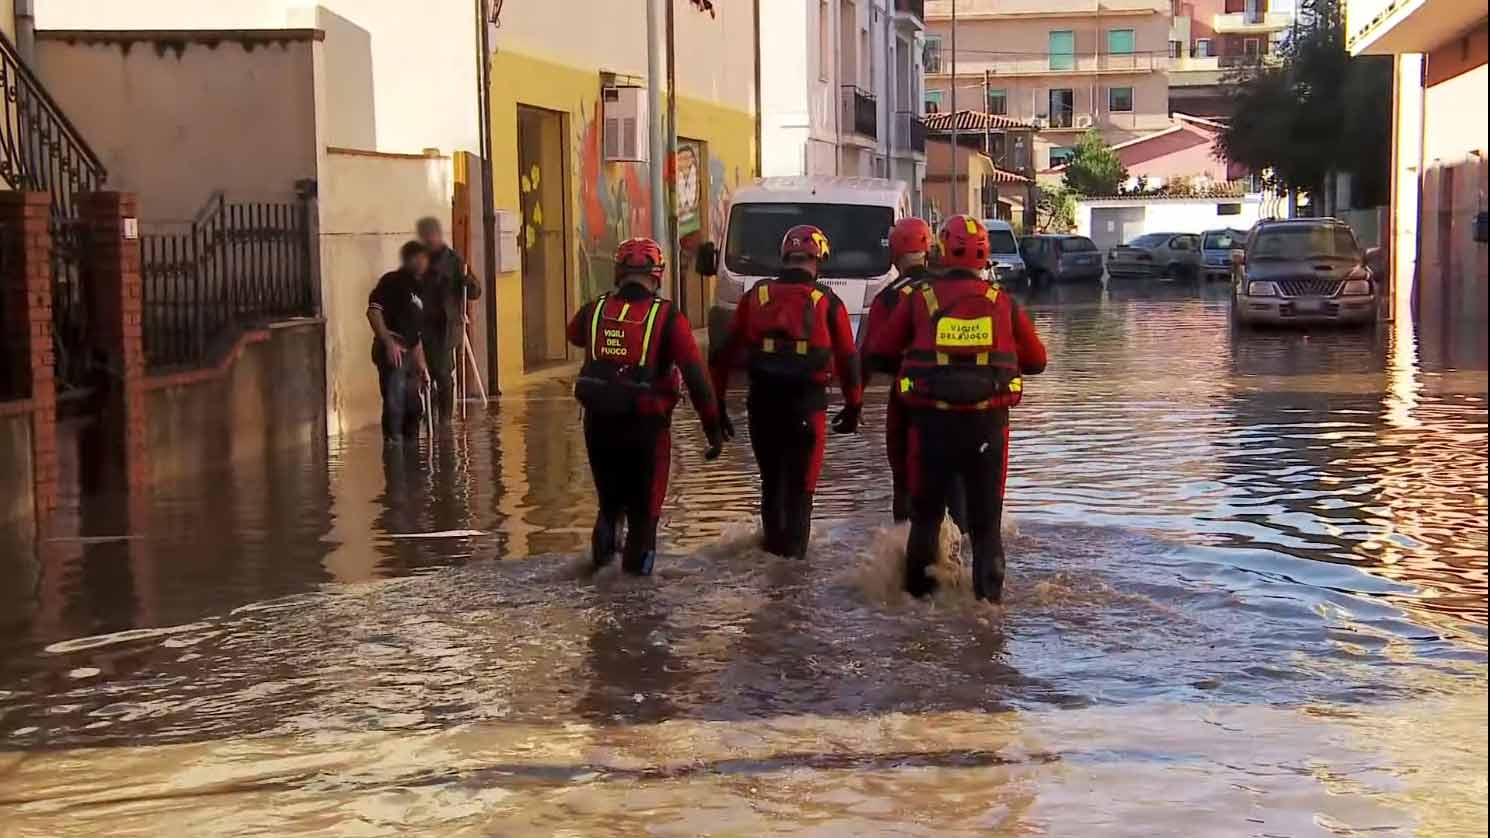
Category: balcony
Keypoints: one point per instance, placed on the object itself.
(1056, 65)
(910, 13)
(860, 113)
(910, 133)
(1385, 27)
(1251, 22)
(941, 10)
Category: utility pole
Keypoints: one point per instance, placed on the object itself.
(953, 72)
(488, 211)
(658, 152)
(987, 123)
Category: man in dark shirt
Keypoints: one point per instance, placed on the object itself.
(395, 311)
(450, 294)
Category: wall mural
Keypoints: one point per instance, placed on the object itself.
(614, 200)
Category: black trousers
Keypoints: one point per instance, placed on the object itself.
(948, 447)
(630, 459)
(788, 446)
(442, 379)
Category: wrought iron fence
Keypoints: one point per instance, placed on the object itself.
(236, 265)
(859, 111)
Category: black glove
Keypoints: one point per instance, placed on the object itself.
(726, 425)
(847, 420)
(716, 441)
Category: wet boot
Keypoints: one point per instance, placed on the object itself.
(603, 542)
(798, 527)
(988, 568)
(641, 550)
(957, 504)
(900, 505)
(920, 554)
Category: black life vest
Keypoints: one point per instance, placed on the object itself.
(620, 367)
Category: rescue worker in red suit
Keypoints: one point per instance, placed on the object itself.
(792, 334)
(637, 348)
(964, 347)
(910, 249)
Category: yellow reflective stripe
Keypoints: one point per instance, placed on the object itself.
(943, 406)
(801, 347)
(931, 303)
(763, 293)
(972, 226)
(992, 294)
(1016, 385)
(906, 289)
(943, 359)
(647, 336)
(768, 344)
(625, 308)
(905, 385)
(816, 296)
(595, 326)
(982, 359)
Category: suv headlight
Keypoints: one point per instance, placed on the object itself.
(1356, 288)
(1262, 288)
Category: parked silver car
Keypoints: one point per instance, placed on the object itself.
(1172, 255)
(1053, 258)
(1308, 270)
(1216, 248)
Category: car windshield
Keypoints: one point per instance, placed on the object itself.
(858, 236)
(1150, 240)
(1298, 242)
(1002, 241)
(1077, 244)
(1223, 240)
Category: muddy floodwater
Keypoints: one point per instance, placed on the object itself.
(1247, 597)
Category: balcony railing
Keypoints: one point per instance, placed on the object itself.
(910, 132)
(1054, 64)
(913, 8)
(859, 111)
(1251, 21)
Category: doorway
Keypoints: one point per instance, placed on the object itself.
(543, 238)
(692, 185)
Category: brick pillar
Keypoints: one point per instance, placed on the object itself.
(115, 304)
(27, 286)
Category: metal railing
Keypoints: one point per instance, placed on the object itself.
(41, 151)
(235, 266)
(910, 132)
(859, 111)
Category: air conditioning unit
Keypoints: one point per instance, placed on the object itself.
(1084, 120)
(624, 132)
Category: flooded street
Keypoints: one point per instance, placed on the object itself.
(1247, 597)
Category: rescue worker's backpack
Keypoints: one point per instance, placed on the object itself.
(789, 338)
(965, 358)
(620, 367)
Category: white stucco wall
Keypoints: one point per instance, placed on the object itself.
(402, 76)
(1177, 216)
(236, 116)
(368, 207)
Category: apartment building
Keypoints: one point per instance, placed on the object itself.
(1439, 173)
(1209, 38)
(1067, 66)
(841, 89)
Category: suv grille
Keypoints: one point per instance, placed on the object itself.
(1309, 287)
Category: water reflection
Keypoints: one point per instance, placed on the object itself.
(1214, 529)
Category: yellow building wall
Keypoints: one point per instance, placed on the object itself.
(607, 202)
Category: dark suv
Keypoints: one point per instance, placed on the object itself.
(1307, 270)
(1060, 258)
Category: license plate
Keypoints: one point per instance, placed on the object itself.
(1308, 306)
(850, 291)
(1086, 260)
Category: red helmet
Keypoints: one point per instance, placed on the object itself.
(639, 256)
(804, 240)
(964, 243)
(910, 235)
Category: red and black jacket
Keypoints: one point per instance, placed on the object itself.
(960, 343)
(792, 334)
(639, 349)
(884, 304)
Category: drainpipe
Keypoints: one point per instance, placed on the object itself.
(657, 137)
(488, 212)
(759, 114)
(675, 251)
(955, 202)
(26, 31)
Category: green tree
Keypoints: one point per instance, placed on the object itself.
(1055, 212)
(1095, 169)
(1316, 112)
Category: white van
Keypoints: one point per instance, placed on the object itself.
(1007, 265)
(855, 213)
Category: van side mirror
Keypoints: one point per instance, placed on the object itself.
(706, 261)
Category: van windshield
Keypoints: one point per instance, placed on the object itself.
(858, 236)
(1002, 241)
